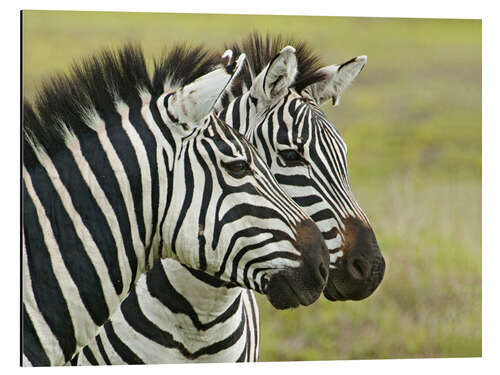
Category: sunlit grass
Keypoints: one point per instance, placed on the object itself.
(428, 304)
(412, 122)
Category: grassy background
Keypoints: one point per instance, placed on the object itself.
(412, 121)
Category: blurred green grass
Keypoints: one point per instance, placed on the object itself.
(412, 122)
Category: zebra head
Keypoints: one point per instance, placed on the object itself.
(358, 267)
(227, 215)
(307, 155)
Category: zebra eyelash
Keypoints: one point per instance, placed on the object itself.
(237, 168)
(292, 158)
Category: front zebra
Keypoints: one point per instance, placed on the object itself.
(120, 171)
(227, 332)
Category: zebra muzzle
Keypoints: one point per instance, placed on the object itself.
(303, 285)
(358, 273)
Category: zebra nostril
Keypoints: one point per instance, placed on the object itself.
(358, 268)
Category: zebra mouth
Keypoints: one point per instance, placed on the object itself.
(333, 294)
(303, 284)
(286, 290)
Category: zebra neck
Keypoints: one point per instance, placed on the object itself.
(120, 173)
(92, 225)
(200, 308)
(152, 150)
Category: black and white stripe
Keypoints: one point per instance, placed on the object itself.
(174, 315)
(305, 152)
(120, 171)
(286, 126)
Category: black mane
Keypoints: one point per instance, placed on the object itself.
(96, 82)
(260, 50)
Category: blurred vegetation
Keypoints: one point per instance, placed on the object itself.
(412, 122)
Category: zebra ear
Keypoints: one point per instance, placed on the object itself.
(336, 79)
(277, 76)
(193, 102)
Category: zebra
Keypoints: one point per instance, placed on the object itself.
(121, 170)
(182, 325)
(306, 153)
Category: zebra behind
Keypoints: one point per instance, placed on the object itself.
(120, 171)
(306, 153)
(183, 311)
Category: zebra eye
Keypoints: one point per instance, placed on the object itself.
(238, 168)
(292, 158)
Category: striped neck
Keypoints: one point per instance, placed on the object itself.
(207, 311)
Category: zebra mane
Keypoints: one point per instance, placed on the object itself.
(95, 83)
(260, 50)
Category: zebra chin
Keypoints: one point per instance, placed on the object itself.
(303, 285)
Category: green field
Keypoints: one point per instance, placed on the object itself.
(412, 122)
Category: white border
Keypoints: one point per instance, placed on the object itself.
(9, 224)
(359, 8)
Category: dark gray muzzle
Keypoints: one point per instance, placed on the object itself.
(303, 285)
(361, 269)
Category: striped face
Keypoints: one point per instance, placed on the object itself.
(233, 221)
(308, 157)
(228, 217)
